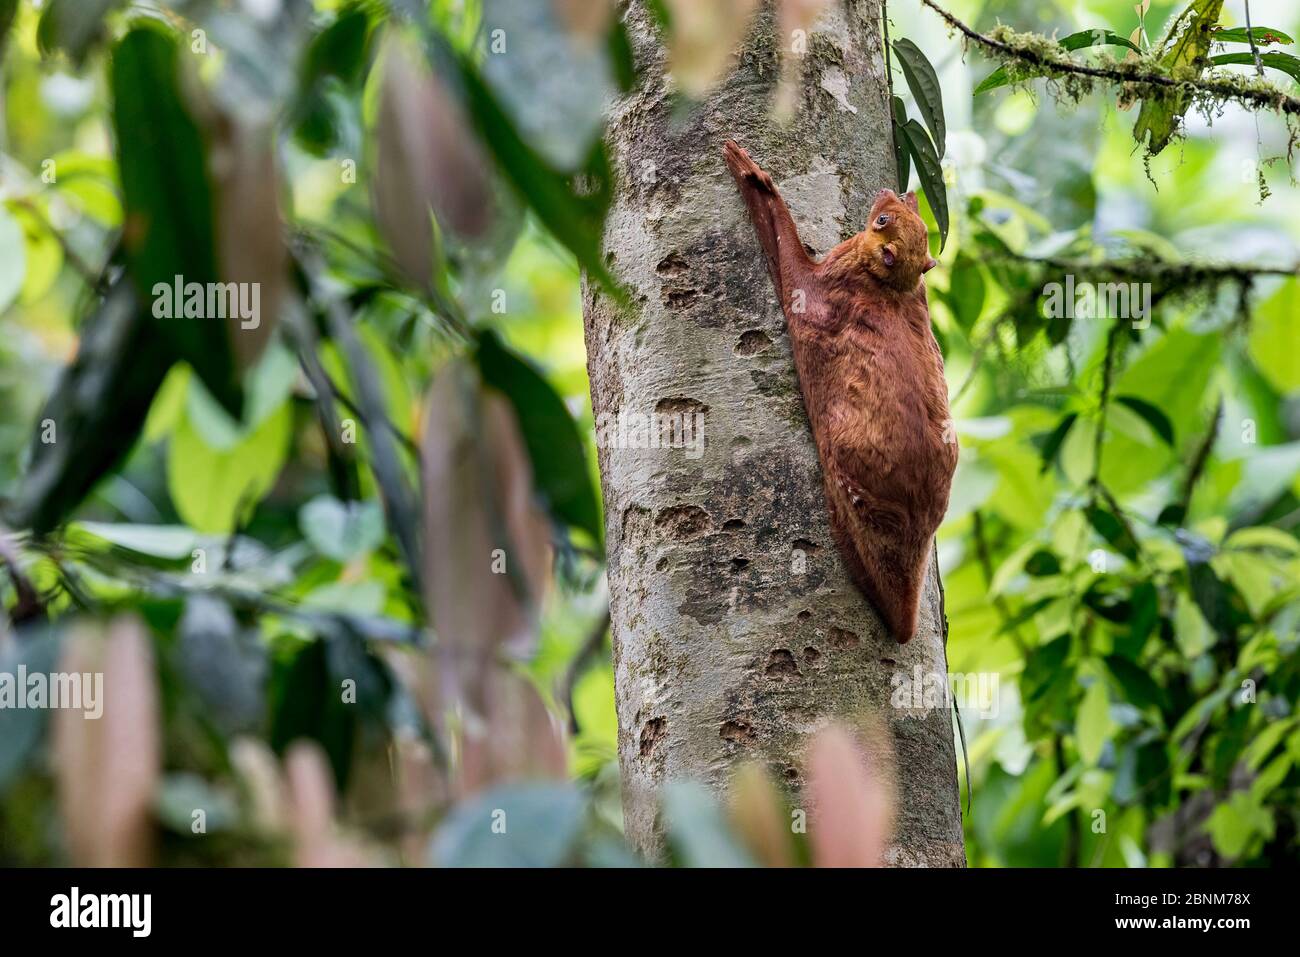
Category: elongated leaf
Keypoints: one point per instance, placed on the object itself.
(541, 822)
(1288, 64)
(1264, 36)
(902, 158)
(559, 464)
(1153, 417)
(487, 545)
(1075, 41)
(427, 159)
(108, 768)
(170, 229)
(96, 411)
(1114, 531)
(931, 173)
(966, 291)
(575, 219)
(1160, 115)
(8, 9)
(924, 84)
(72, 26)
(1052, 444)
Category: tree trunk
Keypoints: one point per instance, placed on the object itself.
(737, 632)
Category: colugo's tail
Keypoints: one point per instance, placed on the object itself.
(888, 568)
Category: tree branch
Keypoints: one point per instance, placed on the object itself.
(1258, 94)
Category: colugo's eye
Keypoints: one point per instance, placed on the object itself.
(882, 220)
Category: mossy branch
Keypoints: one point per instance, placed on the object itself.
(1039, 55)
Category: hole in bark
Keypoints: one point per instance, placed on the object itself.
(805, 615)
(843, 640)
(683, 522)
(781, 664)
(811, 655)
(888, 661)
(661, 564)
(736, 731)
(805, 546)
(752, 341)
(671, 265)
(733, 524)
(739, 562)
(680, 405)
(681, 298)
(651, 732)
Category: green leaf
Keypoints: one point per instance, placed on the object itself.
(554, 444)
(1160, 114)
(1264, 36)
(966, 291)
(169, 228)
(21, 729)
(931, 173)
(97, 410)
(1153, 417)
(214, 490)
(697, 832)
(1113, 530)
(340, 50)
(619, 49)
(1052, 444)
(902, 158)
(1075, 41)
(534, 825)
(1042, 563)
(308, 703)
(1272, 341)
(72, 26)
(1234, 826)
(1288, 64)
(1137, 684)
(8, 8)
(172, 542)
(1094, 725)
(575, 219)
(342, 530)
(924, 84)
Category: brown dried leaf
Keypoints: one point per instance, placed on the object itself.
(520, 740)
(107, 768)
(487, 543)
(852, 800)
(250, 231)
(705, 34)
(317, 842)
(259, 772)
(794, 22)
(585, 19)
(427, 158)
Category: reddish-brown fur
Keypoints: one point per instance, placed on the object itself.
(873, 385)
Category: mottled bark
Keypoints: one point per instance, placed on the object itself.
(736, 630)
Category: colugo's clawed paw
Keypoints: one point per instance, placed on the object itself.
(743, 166)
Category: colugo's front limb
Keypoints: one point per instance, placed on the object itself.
(787, 261)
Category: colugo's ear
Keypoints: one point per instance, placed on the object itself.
(930, 264)
(910, 200)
